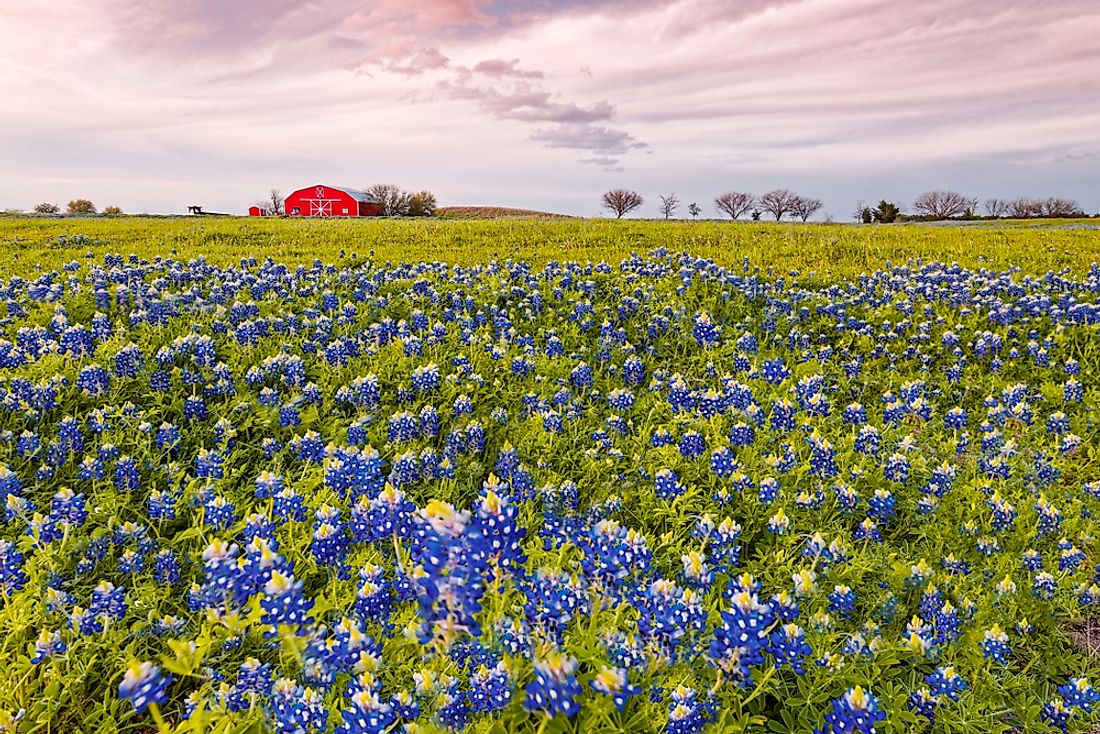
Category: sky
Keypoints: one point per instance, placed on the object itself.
(156, 105)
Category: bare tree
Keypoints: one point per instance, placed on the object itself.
(394, 201)
(1055, 206)
(46, 208)
(735, 203)
(805, 207)
(996, 207)
(274, 203)
(622, 201)
(777, 202)
(941, 204)
(669, 205)
(114, 210)
(1025, 208)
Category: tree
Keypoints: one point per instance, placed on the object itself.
(421, 204)
(996, 207)
(777, 203)
(886, 212)
(1055, 206)
(622, 201)
(46, 208)
(669, 205)
(694, 210)
(394, 201)
(274, 203)
(80, 206)
(112, 210)
(804, 207)
(735, 203)
(863, 213)
(941, 204)
(1025, 208)
(971, 210)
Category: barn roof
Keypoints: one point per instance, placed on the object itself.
(357, 194)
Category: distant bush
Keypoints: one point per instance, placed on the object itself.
(421, 204)
(887, 212)
(398, 203)
(46, 208)
(80, 206)
(112, 210)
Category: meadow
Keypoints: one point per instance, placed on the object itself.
(548, 476)
(1035, 246)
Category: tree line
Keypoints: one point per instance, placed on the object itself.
(940, 205)
(778, 203)
(76, 206)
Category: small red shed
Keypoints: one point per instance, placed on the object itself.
(331, 201)
(257, 211)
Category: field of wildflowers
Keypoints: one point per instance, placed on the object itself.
(661, 489)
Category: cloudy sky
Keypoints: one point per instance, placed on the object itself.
(158, 104)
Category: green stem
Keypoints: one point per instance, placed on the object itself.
(162, 725)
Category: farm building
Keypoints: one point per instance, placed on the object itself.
(331, 201)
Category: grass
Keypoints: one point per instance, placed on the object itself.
(30, 243)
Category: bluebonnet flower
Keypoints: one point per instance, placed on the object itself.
(995, 645)
(555, 688)
(93, 380)
(166, 569)
(774, 370)
(946, 682)
(1044, 585)
(692, 445)
(490, 688)
(779, 523)
(842, 600)
(668, 485)
(108, 601)
(495, 520)
(742, 637)
(742, 434)
(614, 682)
(48, 644)
(295, 708)
(283, 603)
(367, 715)
(787, 644)
(686, 714)
(855, 712)
(218, 512)
(144, 686)
(288, 506)
(1078, 693)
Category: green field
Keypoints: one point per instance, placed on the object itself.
(27, 243)
(647, 496)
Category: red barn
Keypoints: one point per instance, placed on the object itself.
(331, 201)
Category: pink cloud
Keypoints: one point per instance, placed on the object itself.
(421, 62)
(502, 68)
